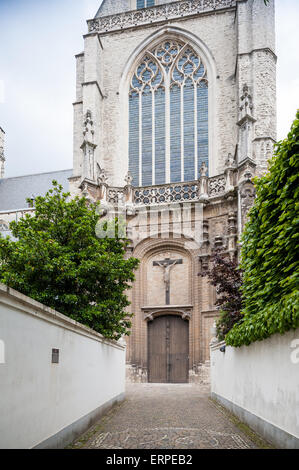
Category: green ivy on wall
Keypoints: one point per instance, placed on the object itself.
(270, 250)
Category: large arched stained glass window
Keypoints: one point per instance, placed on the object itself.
(168, 115)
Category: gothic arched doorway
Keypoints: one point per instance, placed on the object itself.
(168, 350)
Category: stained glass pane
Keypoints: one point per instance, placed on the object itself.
(140, 4)
(189, 137)
(160, 136)
(147, 138)
(175, 134)
(134, 137)
(186, 73)
(202, 126)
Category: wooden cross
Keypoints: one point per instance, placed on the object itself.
(167, 264)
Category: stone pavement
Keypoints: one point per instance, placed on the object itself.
(168, 416)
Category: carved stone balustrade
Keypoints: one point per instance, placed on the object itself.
(167, 194)
(156, 14)
(217, 186)
(116, 195)
(173, 193)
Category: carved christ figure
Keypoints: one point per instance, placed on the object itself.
(167, 264)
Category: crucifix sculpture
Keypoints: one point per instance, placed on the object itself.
(167, 264)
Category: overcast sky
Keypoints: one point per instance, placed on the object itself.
(38, 41)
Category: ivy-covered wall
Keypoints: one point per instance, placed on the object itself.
(270, 250)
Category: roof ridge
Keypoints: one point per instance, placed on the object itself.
(35, 174)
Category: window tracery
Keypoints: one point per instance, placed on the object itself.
(168, 115)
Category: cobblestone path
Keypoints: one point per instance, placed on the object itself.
(167, 416)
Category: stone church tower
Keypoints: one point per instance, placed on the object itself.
(2, 157)
(175, 114)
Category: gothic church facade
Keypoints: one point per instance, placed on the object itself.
(175, 113)
(175, 107)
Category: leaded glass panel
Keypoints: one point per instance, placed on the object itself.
(170, 75)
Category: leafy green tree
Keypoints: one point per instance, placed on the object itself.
(59, 261)
(270, 250)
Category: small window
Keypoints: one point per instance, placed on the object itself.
(55, 356)
(145, 3)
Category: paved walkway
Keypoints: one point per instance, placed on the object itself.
(164, 416)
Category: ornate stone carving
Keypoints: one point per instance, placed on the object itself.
(3, 226)
(245, 123)
(169, 193)
(203, 170)
(246, 172)
(229, 172)
(204, 261)
(86, 193)
(186, 315)
(129, 194)
(149, 317)
(129, 179)
(203, 183)
(102, 182)
(247, 197)
(232, 234)
(206, 235)
(115, 195)
(246, 103)
(232, 223)
(217, 186)
(230, 162)
(88, 148)
(88, 131)
(156, 14)
(150, 313)
(102, 178)
(218, 242)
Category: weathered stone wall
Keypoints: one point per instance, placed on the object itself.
(190, 293)
(2, 157)
(256, 67)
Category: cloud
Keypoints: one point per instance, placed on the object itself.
(38, 74)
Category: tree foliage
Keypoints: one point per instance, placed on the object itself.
(59, 261)
(270, 250)
(226, 276)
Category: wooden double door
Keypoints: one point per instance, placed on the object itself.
(168, 350)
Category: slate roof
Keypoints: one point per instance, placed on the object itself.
(15, 191)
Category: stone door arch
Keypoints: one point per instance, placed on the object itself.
(168, 349)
